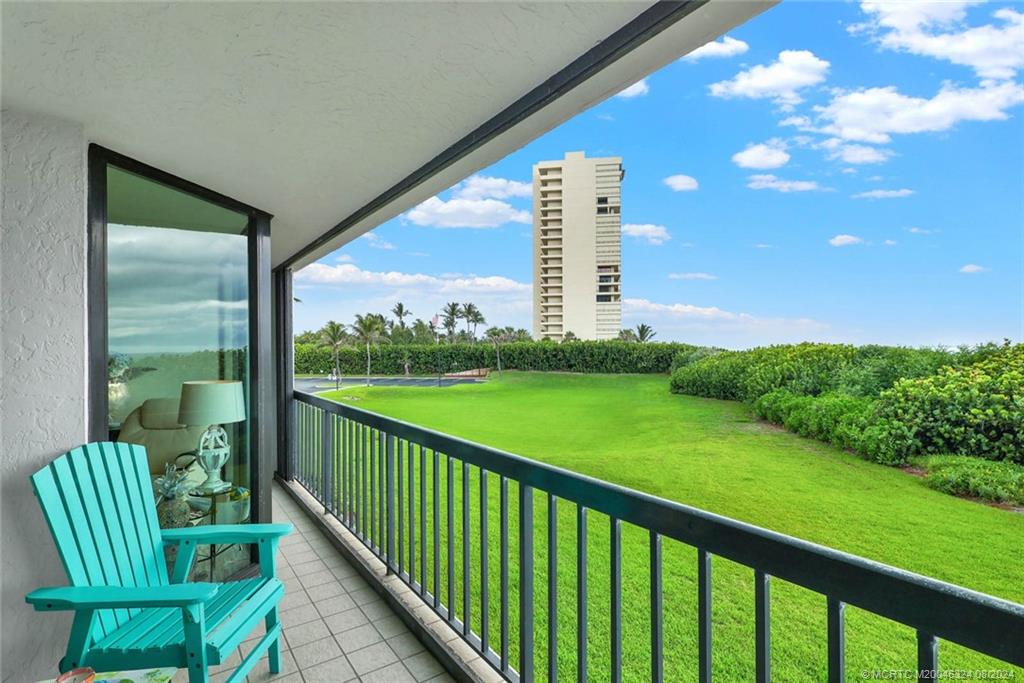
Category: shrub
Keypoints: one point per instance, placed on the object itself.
(809, 369)
(688, 357)
(975, 410)
(873, 368)
(839, 419)
(1002, 482)
(717, 376)
(432, 359)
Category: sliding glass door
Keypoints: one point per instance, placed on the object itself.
(179, 311)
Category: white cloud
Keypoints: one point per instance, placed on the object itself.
(635, 90)
(973, 269)
(726, 47)
(343, 258)
(859, 154)
(770, 154)
(845, 240)
(883, 194)
(487, 187)
(376, 242)
(779, 81)
(349, 274)
(681, 183)
(875, 114)
(935, 29)
(713, 325)
(890, 243)
(919, 231)
(771, 182)
(849, 171)
(466, 213)
(652, 234)
(692, 276)
(796, 121)
(764, 245)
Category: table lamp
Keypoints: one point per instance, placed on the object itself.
(211, 403)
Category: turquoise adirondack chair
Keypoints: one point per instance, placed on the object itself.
(98, 501)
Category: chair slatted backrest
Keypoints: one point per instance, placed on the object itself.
(98, 502)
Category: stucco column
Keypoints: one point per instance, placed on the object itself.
(43, 369)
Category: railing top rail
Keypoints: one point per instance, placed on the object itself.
(982, 622)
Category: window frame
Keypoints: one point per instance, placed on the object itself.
(262, 409)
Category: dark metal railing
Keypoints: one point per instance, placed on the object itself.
(386, 481)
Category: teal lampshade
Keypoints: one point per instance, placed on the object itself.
(211, 402)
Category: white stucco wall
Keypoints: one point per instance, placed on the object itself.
(43, 381)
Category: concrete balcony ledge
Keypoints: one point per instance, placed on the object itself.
(426, 648)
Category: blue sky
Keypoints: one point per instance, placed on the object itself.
(830, 171)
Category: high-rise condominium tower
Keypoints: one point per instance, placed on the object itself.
(577, 247)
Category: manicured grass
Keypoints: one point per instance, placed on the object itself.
(713, 455)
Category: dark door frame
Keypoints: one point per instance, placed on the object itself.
(262, 371)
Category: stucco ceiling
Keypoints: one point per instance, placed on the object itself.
(310, 110)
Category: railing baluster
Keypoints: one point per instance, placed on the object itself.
(581, 594)
(411, 473)
(400, 504)
(450, 493)
(615, 632)
(485, 604)
(552, 588)
(657, 623)
(525, 583)
(836, 641)
(389, 468)
(466, 583)
(364, 530)
(374, 538)
(383, 500)
(423, 520)
(352, 515)
(704, 615)
(762, 627)
(437, 531)
(927, 656)
(343, 440)
(325, 457)
(503, 522)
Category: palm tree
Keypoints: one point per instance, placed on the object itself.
(333, 336)
(468, 312)
(401, 312)
(627, 336)
(422, 332)
(473, 317)
(644, 333)
(569, 336)
(497, 337)
(450, 315)
(369, 329)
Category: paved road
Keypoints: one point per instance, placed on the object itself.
(314, 384)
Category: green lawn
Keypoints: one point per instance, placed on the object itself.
(713, 455)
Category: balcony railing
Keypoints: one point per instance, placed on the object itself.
(394, 486)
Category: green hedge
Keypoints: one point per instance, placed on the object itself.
(1002, 482)
(431, 359)
(887, 403)
(812, 369)
(975, 410)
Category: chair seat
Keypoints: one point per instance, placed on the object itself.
(233, 607)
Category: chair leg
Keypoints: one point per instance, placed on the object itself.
(274, 652)
(195, 644)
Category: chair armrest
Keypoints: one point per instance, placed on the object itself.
(225, 533)
(119, 597)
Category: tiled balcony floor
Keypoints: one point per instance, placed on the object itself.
(336, 628)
